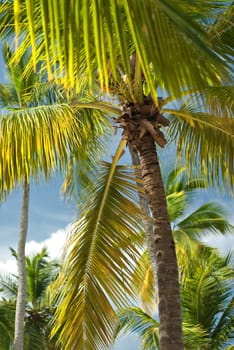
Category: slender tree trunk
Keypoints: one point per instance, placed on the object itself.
(170, 330)
(21, 295)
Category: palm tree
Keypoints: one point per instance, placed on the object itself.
(40, 272)
(121, 44)
(207, 303)
(38, 132)
(189, 226)
(205, 276)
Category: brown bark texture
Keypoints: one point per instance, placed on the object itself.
(170, 330)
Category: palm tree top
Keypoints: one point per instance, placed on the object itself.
(97, 38)
(39, 131)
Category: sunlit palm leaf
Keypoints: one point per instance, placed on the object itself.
(206, 295)
(106, 32)
(40, 140)
(205, 11)
(144, 284)
(222, 30)
(77, 175)
(100, 256)
(206, 143)
(217, 101)
(210, 217)
(207, 300)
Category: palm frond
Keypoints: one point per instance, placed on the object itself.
(210, 217)
(223, 330)
(206, 288)
(205, 142)
(216, 100)
(195, 336)
(8, 287)
(205, 11)
(99, 259)
(144, 284)
(180, 192)
(134, 320)
(102, 36)
(7, 315)
(40, 273)
(177, 181)
(40, 140)
(222, 30)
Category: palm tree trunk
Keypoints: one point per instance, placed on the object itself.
(170, 330)
(21, 295)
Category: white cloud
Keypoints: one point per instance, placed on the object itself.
(8, 266)
(224, 243)
(54, 245)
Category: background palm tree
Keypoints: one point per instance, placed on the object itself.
(205, 277)
(97, 40)
(189, 226)
(40, 272)
(207, 303)
(39, 133)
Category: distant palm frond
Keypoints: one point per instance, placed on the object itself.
(146, 328)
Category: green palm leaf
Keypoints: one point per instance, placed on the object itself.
(134, 320)
(144, 284)
(8, 287)
(38, 140)
(221, 32)
(106, 33)
(40, 273)
(7, 315)
(210, 217)
(206, 144)
(207, 300)
(100, 256)
(207, 293)
(224, 328)
(39, 132)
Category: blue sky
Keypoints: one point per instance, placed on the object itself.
(50, 216)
